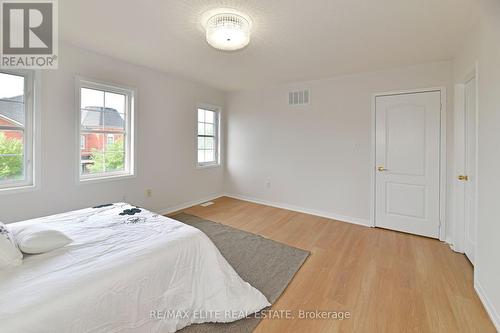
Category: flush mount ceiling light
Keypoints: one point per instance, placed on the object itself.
(227, 29)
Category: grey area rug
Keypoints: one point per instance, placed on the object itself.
(267, 265)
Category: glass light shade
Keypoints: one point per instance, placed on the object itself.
(228, 32)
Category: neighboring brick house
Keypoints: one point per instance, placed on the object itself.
(108, 122)
(105, 120)
(12, 116)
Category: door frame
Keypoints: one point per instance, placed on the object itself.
(442, 153)
(458, 233)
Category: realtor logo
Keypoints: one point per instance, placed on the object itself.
(29, 34)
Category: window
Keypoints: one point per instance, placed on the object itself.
(16, 129)
(208, 136)
(110, 139)
(82, 141)
(106, 131)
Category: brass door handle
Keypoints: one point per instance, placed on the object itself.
(463, 178)
(381, 169)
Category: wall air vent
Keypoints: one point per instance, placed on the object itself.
(299, 97)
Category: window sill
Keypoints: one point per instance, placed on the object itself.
(18, 189)
(105, 178)
(208, 166)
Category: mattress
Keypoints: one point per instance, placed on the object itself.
(126, 270)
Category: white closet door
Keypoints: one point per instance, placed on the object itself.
(470, 169)
(407, 161)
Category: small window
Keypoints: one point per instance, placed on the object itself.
(110, 139)
(208, 136)
(106, 131)
(82, 141)
(16, 129)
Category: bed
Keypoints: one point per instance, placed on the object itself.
(125, 271)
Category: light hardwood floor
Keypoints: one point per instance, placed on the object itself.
(388, 281)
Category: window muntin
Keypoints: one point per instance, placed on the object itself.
(208, 137)
(16, 129)
(105, 131)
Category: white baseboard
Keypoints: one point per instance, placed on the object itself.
(495, 318)
(341, 218)
(188, 204)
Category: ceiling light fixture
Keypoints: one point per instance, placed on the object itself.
(227, 29)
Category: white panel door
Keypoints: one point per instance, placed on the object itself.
(469, 178)
(407, 162)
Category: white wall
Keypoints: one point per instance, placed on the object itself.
(166, 120)
(317, 157)
(483, 45)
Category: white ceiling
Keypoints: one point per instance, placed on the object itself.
(292, 40)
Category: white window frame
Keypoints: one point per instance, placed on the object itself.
(28, 133)
(130, 94)
(217, 146)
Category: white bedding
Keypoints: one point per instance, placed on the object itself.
(130, 273)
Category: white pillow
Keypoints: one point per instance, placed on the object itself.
(9, 252)
(36, 238)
